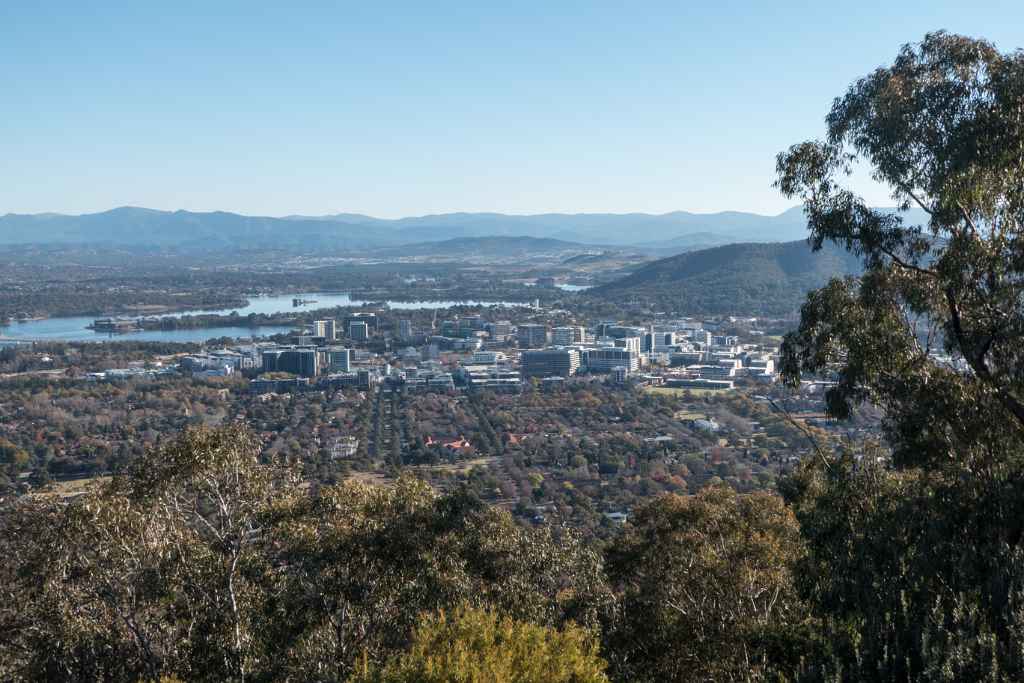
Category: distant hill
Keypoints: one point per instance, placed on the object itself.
(510, 247)
(688, 242)
(136, 227)
(749, 278)
(596, 228)
(131, 226)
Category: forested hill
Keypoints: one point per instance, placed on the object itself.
(756, 279)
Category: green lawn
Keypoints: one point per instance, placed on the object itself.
(674, 391)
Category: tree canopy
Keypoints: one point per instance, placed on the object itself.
(914, 557)
(943, 129)
(476, 646)
(705, 588)
(203, 563)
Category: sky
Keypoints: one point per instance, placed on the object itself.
(410, 108)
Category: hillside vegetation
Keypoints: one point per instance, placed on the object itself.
(756, 279)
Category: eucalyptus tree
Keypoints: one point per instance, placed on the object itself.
(916, 562)
(204, 562)
(706, 590)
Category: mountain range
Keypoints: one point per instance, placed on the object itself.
(131, 226)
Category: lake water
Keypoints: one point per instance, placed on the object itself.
(269, 305)
(75, 328)
(565, 287)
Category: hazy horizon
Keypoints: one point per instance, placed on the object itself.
(390, 218)
(417, 110)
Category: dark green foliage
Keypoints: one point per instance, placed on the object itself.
(764, 279)
(365, 562)
(914, 561)
(913, 574)
(706, 590)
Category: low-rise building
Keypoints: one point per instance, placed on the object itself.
(278, 386)
(488, 358)
(532, 336)
(550, 362)
(491, 378)
(567, 336)
(608, 358)
(718, 372)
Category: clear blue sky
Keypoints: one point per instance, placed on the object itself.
(422, 107)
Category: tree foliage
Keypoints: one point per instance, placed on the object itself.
(914, 560)
(943, 128)
(706, 589)
(477, 646)
(201, 562)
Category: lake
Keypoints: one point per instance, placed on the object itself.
(74, 328)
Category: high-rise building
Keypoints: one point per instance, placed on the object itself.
(358, 330)
(305, 362)
(532, 336)
(328, 329)
(405, 329)
(631, 343)
(550, 363)
(702, 337)
(567, 336)
(339, 359)
(370, 319)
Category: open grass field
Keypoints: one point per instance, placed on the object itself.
(71, 487)
(673, 391)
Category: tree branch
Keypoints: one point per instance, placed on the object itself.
(806, 432)
(976, 360)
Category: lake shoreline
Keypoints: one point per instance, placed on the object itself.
(262, 316)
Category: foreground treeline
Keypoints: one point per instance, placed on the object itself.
(200, 563)
(203, 564)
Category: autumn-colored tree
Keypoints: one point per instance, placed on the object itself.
(477, 646)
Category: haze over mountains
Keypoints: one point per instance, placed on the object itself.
(516, 246)
(130, 226)
(709, 263)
